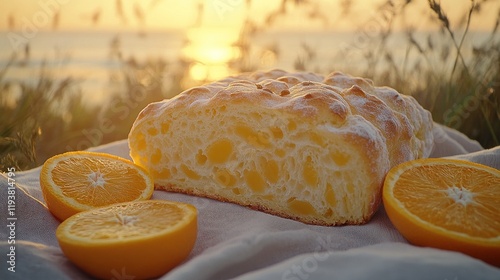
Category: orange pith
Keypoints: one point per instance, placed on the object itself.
(78, 181)
(447, 204)
(139, 239)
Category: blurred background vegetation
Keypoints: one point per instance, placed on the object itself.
(50, 116)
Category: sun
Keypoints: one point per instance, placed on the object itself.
(209, 50)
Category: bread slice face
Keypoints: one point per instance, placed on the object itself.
(296, 145)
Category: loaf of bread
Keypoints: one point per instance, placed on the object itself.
(298, 145)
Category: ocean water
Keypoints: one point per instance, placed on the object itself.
(83, 56)
(86, 56)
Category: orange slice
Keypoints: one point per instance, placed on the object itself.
(446, 204)
(78, 181)
(131, 240)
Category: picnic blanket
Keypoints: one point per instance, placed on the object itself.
(235, 242)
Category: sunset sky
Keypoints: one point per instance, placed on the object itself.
(174, 14)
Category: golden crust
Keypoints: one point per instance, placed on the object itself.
(257, 207)
(319, 121)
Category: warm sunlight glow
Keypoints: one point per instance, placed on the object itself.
(209, 51)
(166, 15)
(208, 72)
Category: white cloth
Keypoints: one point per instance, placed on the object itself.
(236, 242)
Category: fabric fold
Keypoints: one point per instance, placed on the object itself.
(240, 243)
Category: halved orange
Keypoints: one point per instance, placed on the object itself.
(131, 240)
(76, 181)
(447, 204)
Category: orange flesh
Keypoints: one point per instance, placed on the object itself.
(452, 196)
(97, 182)
(135, 222)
